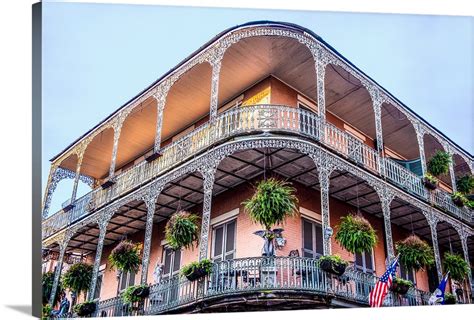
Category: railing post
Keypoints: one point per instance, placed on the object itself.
(150, 202)
(208, 175)
(451, 169)
(78, 173)
(216, 67)
(103, 222)
(50, 188)
(463, 235)
(57, 273)
(386, 198)
(433, 221)
(377, 105)
(324, 174)
(117, 131)
(421, 145)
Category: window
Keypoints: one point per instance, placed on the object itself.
(407, 274)
(312, 239)
(223, 244)
(126, 280)
(365, 262)
(172, 262)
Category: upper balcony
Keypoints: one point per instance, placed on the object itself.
(249, 121)
(261, 78)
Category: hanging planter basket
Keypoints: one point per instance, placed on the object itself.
(449, 298)
(85, 309)
(196, 270)
(456, 265)
(182, 230)
(333, 264)
(135, 293)
(356, 234)
(459, 199)
(430, 182)
(415, 253)
(401, 286)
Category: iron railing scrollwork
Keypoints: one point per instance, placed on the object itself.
(257, 274)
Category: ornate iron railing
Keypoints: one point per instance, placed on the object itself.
(246, 120)
(257, 274)
(442, 199)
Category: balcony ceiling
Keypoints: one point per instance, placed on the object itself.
(240, 171)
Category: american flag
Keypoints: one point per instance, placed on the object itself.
(380, 290)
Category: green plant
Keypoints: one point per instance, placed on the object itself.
(47, 285)
(465, 184)
(470, 204)
(125, 257)
(449, 298)
(135, 293)
(204, 266)
(439, 163)
(86, 308)
(333, 258)
(401, 281)
(415, 253)
(459, 198)
(182, 230)
(356, 234)
(401, 286)
(431, 178)
(46, 312)
(272, 202)
(78, 277)
(456, 265)
(333, 264)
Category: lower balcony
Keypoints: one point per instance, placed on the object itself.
(259, 284)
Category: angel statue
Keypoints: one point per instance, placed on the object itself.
(272, 238)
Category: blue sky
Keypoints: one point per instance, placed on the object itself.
(97, 56)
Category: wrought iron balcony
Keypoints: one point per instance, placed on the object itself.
(262, 277)
(251, 120)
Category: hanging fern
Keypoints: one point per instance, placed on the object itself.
(439, 163)
(125, 257)
(78, 278)
(182, 230)
(272, 202)
(415, 253)
(465, 184)
(456, 265)
(356, 234)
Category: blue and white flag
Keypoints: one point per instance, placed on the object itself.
(438, 295)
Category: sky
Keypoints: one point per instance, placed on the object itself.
(98, 56)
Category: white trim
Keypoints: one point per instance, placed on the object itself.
(224, 217)
(311, 215)
(163, 242)
(102, 267)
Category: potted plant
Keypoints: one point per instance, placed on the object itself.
(459, 199)
(438, 165)
(78, 278)
(196, 270)
(135, 294)
(182, 230)
(125, 257)
(273, 201)
(430, 181)
(85, 309)
(456, 265)
(47, 285)
(401, 286)
(356, 234)
(415, 253)
(333, 264)
(449, 298)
